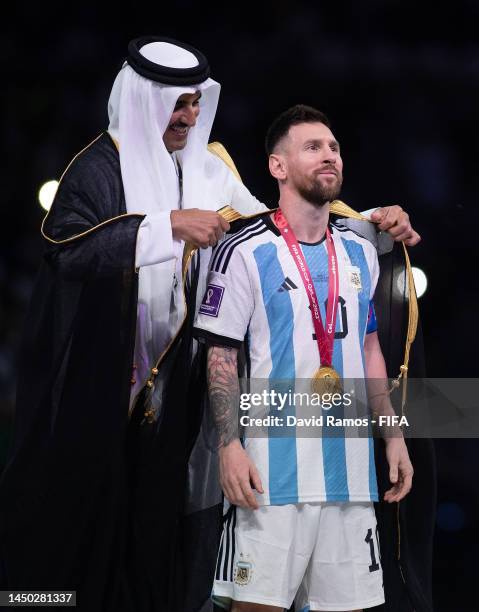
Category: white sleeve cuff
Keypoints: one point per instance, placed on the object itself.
(155, 240)
(178, 248)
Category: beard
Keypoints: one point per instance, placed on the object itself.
(318, 194)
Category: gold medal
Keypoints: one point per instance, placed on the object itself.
(326, 380)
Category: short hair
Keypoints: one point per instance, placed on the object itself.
(300, 113)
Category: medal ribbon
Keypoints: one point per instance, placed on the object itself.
(324, 336)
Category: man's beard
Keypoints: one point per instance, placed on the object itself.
(314, 192)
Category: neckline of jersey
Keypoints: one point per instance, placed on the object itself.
(268, 221)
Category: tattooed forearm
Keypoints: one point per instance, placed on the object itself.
(223, 386)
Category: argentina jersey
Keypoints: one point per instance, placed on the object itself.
(256, 293)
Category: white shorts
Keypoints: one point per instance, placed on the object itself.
(324, 556)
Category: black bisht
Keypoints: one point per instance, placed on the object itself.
(64, 491)
(91, 499)
(406, 533)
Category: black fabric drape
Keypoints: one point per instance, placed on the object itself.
(63, 493)
(163, 544)
(408, 580)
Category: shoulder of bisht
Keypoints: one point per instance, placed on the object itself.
(63, 213)
(345, 216)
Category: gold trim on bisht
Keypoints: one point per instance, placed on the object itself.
(343, 210)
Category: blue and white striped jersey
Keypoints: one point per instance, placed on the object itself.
(255, 291)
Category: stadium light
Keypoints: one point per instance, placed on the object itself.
(46, 193)
(420, 280)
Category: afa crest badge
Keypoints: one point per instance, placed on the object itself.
(354, 274)
(243, 572)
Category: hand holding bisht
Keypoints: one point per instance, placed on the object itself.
(395, 221)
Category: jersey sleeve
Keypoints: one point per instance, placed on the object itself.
(228, 302)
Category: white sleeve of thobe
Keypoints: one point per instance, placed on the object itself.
(155, 241)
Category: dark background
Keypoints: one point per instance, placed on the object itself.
(400, 82)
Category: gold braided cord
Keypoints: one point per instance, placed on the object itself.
(229, 214)
(343, 210)
(413, 319)
(413, 306)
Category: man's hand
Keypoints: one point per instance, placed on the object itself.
(237, 474)
(395, 221)
(400, 469)
(204, 228)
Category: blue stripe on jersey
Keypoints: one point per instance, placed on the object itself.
(283, 469)
(334, 443)
(356, 255)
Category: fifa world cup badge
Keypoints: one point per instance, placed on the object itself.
(243, 572)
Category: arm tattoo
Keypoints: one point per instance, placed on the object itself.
(224, 391)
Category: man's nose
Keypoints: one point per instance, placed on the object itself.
(330, 157)
(189, 116)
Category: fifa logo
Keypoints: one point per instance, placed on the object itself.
(209, 295)
(211, 303)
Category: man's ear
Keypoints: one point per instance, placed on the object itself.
(277, 166)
